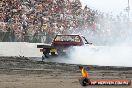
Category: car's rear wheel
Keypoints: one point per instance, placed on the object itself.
(46, 53)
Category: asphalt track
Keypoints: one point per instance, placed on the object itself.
(26, 73)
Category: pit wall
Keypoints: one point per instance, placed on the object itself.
(19, 49)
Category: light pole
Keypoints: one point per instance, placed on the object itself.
(128, 9)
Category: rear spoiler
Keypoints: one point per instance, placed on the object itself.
(40, 46)
(44, 46)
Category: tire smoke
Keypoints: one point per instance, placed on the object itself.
(112, 45)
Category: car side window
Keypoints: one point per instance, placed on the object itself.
(58, 38)
(77, 39)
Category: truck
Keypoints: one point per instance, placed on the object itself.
(62, 44)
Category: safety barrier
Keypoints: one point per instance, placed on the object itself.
(19, 49)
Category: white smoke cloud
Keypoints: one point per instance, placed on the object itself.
(112, 41)
(103, 55)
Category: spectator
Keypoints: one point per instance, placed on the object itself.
(31, 17)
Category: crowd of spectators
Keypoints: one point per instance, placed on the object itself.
(32, 17)
(23, 20)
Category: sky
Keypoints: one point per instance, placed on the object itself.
(108, 6)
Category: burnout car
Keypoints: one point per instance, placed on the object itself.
(62, 44)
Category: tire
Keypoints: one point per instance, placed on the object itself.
(47, 55)
(43, 57)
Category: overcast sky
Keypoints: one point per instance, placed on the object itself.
(114, 6)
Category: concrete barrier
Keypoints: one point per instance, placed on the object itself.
(19, 49)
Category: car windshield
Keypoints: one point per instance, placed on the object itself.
(67, 38)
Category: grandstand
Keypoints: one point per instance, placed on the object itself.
(29, 20)
(40, 20)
